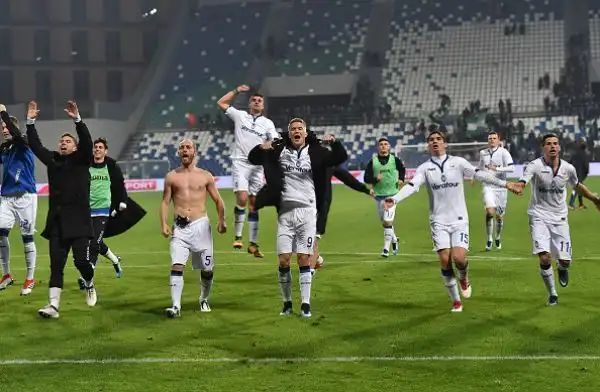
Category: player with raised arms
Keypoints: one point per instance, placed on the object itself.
(498, 161)
(251, 129)
(188, 186)
(443, 175)
(548, 212)
(18, 199)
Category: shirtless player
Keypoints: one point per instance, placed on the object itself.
(187, 187)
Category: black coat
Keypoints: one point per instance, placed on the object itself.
(320, 157)
(129, 217)
(580, 161)
(69, 182)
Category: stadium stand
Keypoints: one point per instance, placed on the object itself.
(461, 51)
(218, 47)
(326, 37)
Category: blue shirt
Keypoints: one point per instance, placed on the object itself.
(18, 168)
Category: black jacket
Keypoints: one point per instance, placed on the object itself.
(129, 217)
(320, 157)
(581, 163)
(69, 181)
(371, 178)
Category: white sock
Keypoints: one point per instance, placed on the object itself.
(239, 216)
(451, 286)
(489, 227)
(55, 296)
(111, 256)
(30, 259)
(548, 277)
(499, 227)
(305, 284)
(176, 290)
(285, 283)
(5, 255)
(394, 238)
(206, 284)
(253, 227)
(388, 237)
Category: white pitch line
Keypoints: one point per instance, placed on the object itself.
(451, 358)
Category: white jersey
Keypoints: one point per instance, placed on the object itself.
(298, 184)
(549, 189)
(444, 178)
(249, 131)
(500, 157)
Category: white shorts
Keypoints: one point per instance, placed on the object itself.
(450, 236)
(246, 176)
(495, 198)
(22, 208)
(554, 238)
(296, 231)
(385, 215)
(197, 239)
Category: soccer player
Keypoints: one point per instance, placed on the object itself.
(188, 186)
(580, 162)
(548, 213)
(386, 173)
(316, 261)
(18, 200)
(251, 129)
(498, 161)
(107, 192)
(303, 168)
(443, 175)
(68, 222)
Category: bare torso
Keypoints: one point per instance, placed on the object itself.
(188, 189)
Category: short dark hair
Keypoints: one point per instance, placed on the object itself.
(492, 132)
(548, 136)
(296, 120)
(103, 141)
(256, 94)
(434, 129)
(383, 139)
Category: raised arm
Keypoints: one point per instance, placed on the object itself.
(338, 153)
(225, 101)
(85, 146)
(212, 190)
(582, 189)
(259, 154)
(350, 181)
(15, 133)
(410, 188)
(401, 169)
(41, 152)
(164, 205)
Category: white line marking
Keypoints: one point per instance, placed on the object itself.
(108, 361)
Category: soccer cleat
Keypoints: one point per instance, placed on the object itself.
(456, 307)
(48, 311)
(204, 307)
(385, 253)
(173, 312)
(395, 248)
(287, 309)
(488, 246)
(552, 300)
(237, 243)
(6, 281)
(563, 277)
(305, 311)
(28, 287)
(465, 288)
(498, 244)
(320, 262)
(90, 296)
(117, 267)
(253, 249)
(81, 283)
(582, 207)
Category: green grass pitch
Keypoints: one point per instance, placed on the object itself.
(506, 339)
